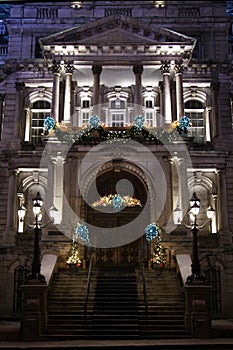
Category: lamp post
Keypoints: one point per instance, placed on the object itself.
(195, 267)
(194, 211)
(36, 263)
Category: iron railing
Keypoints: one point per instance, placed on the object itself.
(88, 287)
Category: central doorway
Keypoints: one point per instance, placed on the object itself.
(134, 252)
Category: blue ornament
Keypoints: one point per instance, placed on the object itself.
(117, 202)
(151, 232)
(49, 124)
(139, 121)
(184, 123)
(82, 232)
(94, 122)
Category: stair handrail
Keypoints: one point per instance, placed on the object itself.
(144, 292)
(88, 287)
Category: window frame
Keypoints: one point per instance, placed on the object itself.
(194, 130)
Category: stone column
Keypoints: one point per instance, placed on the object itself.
(183, 184)
(216, 129)
(179, 89)
(19, 122)
(138, 69)
(73, 102)
(69, 68)
(2, 97)
(67, 191)
(168, 205)
(58, 190)
(27, 125)
(161, 101)
(56, 69)
(225, 236)
(9, 235)
(165, 70)
(96, 69)
(208, 125)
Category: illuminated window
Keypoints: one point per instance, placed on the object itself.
(85, 111)
(118, 119)
(149, 111)
(117, 103)
(39, 111)
(85, 116)
(117, 112)
(195, 111)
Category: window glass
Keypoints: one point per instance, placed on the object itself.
(195, 111)
(40, 110)
(118, 119)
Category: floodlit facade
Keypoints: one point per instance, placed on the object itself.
(92, 100)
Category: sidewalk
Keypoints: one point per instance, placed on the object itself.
(222, 335)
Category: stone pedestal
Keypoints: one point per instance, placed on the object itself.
(197, 309)
(34, 318)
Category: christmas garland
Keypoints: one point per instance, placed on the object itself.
(95, 130)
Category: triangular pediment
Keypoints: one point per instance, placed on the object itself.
(117, 35)
(116, 30)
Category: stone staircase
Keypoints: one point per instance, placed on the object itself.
(164, 318)
(116, 307)
(66, 299)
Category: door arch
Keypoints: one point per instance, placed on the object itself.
(107, 182)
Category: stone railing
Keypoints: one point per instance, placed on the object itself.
(118, 11)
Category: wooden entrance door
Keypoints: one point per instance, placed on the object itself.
(106, 183)
(129, 254)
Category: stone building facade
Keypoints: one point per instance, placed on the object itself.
(70, 61)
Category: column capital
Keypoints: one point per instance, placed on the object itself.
(179, 68)
(56, 67)
(138, 69)
(19, 85)
(96, 69)
(69, 68)
(165, 68)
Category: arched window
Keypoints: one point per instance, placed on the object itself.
(117, 109)
(150, 107)
(40, 110)
(35, 116)
(194, 109)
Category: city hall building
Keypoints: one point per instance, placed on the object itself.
(113, 116)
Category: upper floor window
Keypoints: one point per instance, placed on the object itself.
(118, 119)
(117, 112)
(194, 110)
(85, 110)
(39, 111)
(149, 111)
(117, 103)
(149, 103)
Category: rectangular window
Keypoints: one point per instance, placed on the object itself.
(85, 116)
(149, 118)
(117, 104)
(118, 119)
(197, 130)
(37, 125)
(149, 104)
(85, 104)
